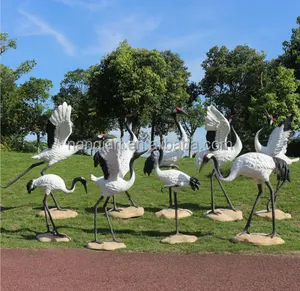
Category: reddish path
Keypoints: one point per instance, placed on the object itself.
(79, 269)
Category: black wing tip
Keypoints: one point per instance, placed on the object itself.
(283, 170)
(149, 165)
(194, 183)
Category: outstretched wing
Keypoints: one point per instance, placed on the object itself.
(61, 119)
(216, 122)
(278, 140)
(110, 155)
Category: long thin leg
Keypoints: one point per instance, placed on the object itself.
(56, 232)
(56, 204)
(131, 200)
(95, 218)
(212, 191)
(176, 211)
(115, 208)
(260, 191)
(273, 233)
(275, 194)
(22, 174)
(170, 198)
(46, 214)
(225, 194)
(108, 220)
(44, 170)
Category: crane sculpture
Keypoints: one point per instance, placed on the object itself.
(173, 179)
(109, 158)
(259, 167)
(51, 183)
(170, 158)
(218, 128)
(277, 145)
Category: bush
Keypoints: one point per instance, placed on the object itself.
(18, 144)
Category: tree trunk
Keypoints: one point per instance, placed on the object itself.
(152, 130)
(161, 140)
(190, 146)
(38, 141)
(121, 129)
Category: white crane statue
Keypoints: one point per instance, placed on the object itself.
(277, 144)
(109, 158)
(170, 158)
(51, 183)
(173, 179)
(218, 128)
(258, 167)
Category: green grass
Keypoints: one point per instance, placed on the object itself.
(19, 223)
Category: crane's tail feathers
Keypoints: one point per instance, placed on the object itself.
(282, 169)
(194, 183)
(93, 178)
(36, 157)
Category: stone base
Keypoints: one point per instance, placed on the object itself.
(280, 215)
(128, 212)
(179, 239)
(60, 214)
(225, 215)
(259, 239)
(105, 246)
(170, 213)
(49, 237)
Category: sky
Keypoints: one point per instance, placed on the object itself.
(64, 35)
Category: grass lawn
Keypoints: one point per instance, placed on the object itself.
(19, 223)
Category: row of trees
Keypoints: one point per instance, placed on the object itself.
(146, 85)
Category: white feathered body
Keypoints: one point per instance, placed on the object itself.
(173, 177)
(51, 183)
(112, 187)
(54, 155)
(115, 154)
(254, 165)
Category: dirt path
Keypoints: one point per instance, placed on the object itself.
(75, 269)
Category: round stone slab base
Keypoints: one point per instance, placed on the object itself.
(259, 239)
(179, 239)
(128, 212)
(280, 215)
(49, 237)
(105, 246)
(60, 214)
(170, 213)
(225, 215)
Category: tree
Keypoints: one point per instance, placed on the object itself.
(280, 96)
(13, 115)
(176, 80)
(34, 93)
(291, 55)
(196, 110)
(6, 43)
(74, 91)
(128, 82)
(231, 79)
(242, 83)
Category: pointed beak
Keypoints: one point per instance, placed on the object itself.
(201, 167)
(85, 186)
